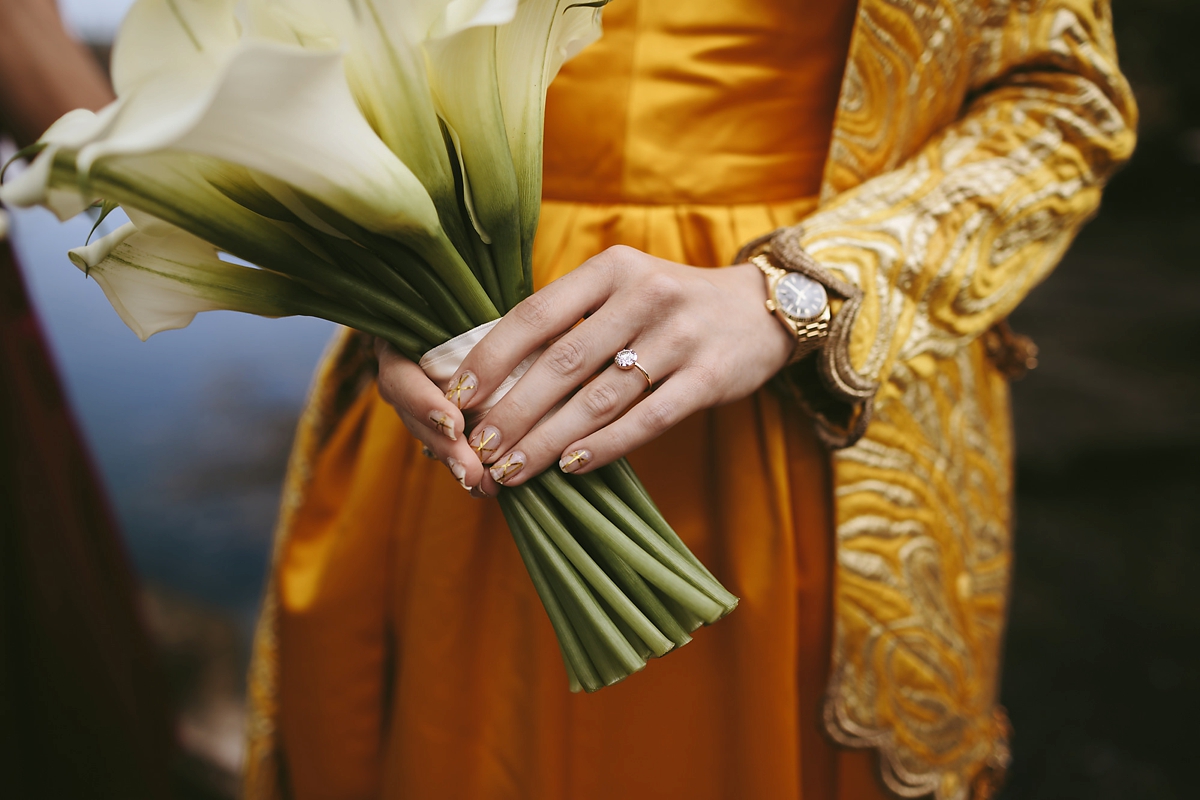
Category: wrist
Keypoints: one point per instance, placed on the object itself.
(744, 287)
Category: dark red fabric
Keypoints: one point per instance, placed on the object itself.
(82, 710)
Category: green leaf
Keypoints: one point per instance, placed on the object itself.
(106, 208)
(26, 152)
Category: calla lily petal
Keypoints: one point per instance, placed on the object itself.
(459, 15)
(463, 77)
(159, 283)
(32, 187)
(530, 50)
(181, 36)
(76, 128)
(287, 113)
(386, 69)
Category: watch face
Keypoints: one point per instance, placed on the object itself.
(800, 297)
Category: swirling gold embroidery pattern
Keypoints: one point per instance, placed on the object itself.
(923, 565)
(971, 144)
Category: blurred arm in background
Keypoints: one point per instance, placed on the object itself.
(82, 711)
(44, 73)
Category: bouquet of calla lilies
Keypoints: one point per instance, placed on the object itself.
(376, 163)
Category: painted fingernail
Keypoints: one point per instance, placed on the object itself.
(459, 472)
(478, 493)
(485, 442)
(445, 425)
(574, 460)
(462, 388)
(513, 463)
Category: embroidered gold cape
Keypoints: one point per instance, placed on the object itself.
(971, 143)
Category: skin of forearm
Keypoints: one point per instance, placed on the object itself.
(44, 73)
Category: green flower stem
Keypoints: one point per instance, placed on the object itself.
(479, 258)
(27, 152)
(372, 266)
(580, 672)
(487, 272)
(609, 643)
(527, 235)
(573, 684)
(601, 655)
(636, 589)
(437, 249)
(600, 581)
(515, 284)
(428, 283)
(598, 654)
(314, 305)
(603, 498)
(401, 253)
(640, 647)
(621, 478)
(683, 616)
(405, 343)
(462, 237)
(215, 218)
(613, 537)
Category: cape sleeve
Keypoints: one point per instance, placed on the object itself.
(933, 253)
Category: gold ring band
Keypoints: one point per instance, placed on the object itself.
(646, 375)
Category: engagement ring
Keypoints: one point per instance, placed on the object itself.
(628, 359)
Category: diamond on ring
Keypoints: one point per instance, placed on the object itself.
(627, 359)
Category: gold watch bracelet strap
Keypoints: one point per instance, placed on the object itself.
(809, 335)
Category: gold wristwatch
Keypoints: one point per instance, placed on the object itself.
(797, 301)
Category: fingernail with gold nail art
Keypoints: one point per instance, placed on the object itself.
(462, 388)
(445, 425)
(459, 472)
(513, 463)
(485, 442)
(574, 460)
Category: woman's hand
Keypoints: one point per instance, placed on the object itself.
(428, 415)
(703, 335)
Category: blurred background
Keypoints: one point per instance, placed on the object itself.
(191, 430)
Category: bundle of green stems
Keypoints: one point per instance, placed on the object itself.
(617, 582)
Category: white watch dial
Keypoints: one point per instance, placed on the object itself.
(800, 297)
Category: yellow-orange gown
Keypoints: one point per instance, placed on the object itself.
(416, 660)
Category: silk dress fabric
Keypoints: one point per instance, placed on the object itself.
(415, 660)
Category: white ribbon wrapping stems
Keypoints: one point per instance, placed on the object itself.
(442, 362)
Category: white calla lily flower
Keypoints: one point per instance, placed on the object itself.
(160, 277)
(530, 51)
(184, 37)
(159, 283)
(32, 187)
(187, 84)
(386, 69)
(462, 74)
(304, 135)
(282, 111)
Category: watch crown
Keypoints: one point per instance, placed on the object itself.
(770, 304)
